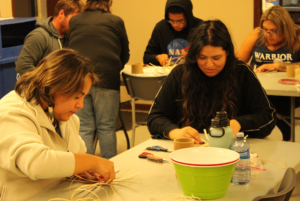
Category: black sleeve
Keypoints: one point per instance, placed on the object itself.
(257, 118)
(153, 48)
(124, 44)
(163, 116)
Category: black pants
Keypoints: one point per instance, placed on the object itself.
(283, 107)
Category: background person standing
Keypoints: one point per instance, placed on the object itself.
(102, 37)
(50, 35)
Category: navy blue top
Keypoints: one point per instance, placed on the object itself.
(262, 55)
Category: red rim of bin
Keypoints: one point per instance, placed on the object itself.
(206, 165)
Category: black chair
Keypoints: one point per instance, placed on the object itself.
(285, 190)
(141, 88)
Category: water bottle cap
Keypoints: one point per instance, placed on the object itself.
(220, 120)
(240, 134)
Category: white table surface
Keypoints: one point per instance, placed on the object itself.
(158, 180)
(269, 81)
(149, 71)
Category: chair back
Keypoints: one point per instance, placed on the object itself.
(285, 190)
(144, 88)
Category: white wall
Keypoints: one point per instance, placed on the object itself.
(5, 8)
(140, 17)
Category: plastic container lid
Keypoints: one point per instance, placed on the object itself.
(220, 120)
(240, 134)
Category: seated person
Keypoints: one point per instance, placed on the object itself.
(169, 37)
(272, 46)
(210, 80)
(39, 140)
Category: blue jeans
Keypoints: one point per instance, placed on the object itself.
(98, 116)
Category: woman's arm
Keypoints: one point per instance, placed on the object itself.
(256, 115)
(275, 67)
(247, 46)
(164, 114)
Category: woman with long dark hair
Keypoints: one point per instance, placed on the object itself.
(210, 80)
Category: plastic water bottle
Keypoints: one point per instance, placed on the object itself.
(242, 172)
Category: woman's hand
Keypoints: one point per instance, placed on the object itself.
(268, 67)
(185, 132)
(100, 168)
(236, 127)
(105, 170)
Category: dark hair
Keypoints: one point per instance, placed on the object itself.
(196, 87)
(103, 5)
(63, 71)
(69, 7)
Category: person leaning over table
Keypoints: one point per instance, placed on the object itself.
(169, 37)
(39, 140)
(210, 80)
(277, 39)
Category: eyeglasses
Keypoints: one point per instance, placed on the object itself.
(272, 33)
(179, 22)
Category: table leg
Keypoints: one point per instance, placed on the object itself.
(293, 119)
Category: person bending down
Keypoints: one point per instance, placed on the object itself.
(39, 139)
(210, 80)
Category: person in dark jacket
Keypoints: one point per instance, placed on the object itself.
(210, 80)
(170, 35)
(50, 35)
(101, 36)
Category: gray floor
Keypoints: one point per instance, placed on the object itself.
(142, 134)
